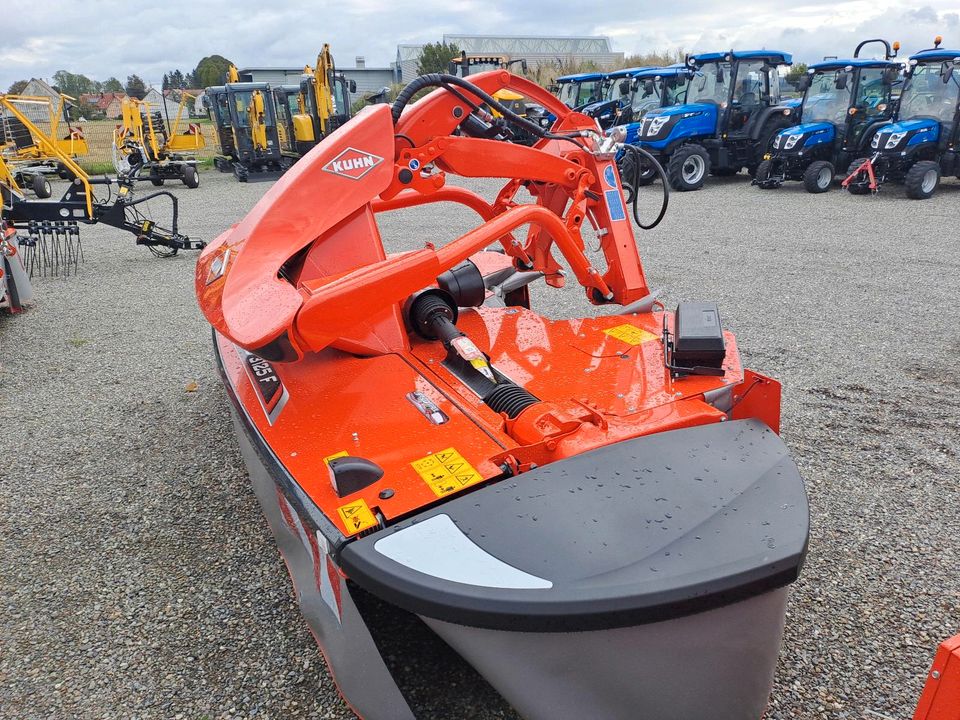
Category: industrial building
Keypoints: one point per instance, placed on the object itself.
(369, 80)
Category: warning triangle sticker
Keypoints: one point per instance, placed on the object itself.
(444, 456)
(465, 479)
(350, 510)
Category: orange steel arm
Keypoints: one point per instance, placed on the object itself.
(307, 267)
(332, 306)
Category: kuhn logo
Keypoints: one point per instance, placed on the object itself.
(353, 163)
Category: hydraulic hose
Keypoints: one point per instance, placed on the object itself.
(638, 154)
(443, 80)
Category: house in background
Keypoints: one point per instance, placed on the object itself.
(159, 101)
(107, 103)
(38, 88)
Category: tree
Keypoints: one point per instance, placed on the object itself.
(436, 57)
(111, 84)
(796, 72)
(211, 70)
(72, 84)
(18, 87)
(165, 85)
(136, 87)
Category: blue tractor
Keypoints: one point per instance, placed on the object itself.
(845, 103)
(732, 112)
(632, 93)
(578, 90)
(922, 145)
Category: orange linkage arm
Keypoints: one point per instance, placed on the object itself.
(572, 181)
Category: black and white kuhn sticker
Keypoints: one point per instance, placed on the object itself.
(270, 390)
(353, 163)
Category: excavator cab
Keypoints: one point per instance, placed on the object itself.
(253, 120)
(325, 102)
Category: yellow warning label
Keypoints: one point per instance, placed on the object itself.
(630, 334)
(356, 516)
(328, 458)
(446, 472)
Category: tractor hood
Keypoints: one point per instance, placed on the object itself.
(685, 109)
(805, 135)
(664, 126)
(906, 134)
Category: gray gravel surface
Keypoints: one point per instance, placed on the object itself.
(139, 580)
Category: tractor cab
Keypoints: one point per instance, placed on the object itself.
(922, 145)
(622, 98)
(845, 102)
(731, 111)
(650, 89)
(576, 91)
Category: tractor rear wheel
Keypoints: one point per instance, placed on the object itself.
(922, 179)
(818, 177)
(41, 187)
(688, 168)
(190, 178)
(762, 174)
(857, 186)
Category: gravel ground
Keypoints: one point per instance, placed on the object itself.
(138, 578)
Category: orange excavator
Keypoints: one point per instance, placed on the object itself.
(597, 513)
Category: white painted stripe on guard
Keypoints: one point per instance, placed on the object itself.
(439, 548)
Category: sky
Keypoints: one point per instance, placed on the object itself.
(101, 38)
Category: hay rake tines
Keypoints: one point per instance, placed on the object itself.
(51, 247)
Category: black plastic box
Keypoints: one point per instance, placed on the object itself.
(698, 336)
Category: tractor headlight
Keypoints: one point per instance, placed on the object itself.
(792, 141)
(875, 143)
(894, 140)
(656, 124)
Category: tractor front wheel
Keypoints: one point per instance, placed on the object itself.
(818, 176)
(922, 179)
(688, 168)
(858, 186)
(41, 187)
(762, 174)
(190, 178)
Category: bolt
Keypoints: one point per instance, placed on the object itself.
(386, 494)
(356, 438)
(935, 674)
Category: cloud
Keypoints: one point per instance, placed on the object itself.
(113, 37)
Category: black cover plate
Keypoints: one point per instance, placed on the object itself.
(641, 531)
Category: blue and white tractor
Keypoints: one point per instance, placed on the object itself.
(922, 145)
(731, 113)
(581, 89)
(845, 102)
(631, 93)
